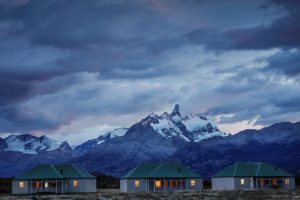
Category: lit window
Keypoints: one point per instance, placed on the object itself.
(158, 184)
(46, 184)
(37, 184)
(75, 183)
(137, 183)
(21, 184)
(287, 181)
(242, 181)
(193, 182)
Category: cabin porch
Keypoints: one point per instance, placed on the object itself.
(270, 182)
(170, 184)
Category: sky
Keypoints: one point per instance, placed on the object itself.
(74, 69)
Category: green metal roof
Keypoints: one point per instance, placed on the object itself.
(63, 171)
(251, 169)
(71, 171)
(160, 170)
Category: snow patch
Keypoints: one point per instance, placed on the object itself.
(29, 144)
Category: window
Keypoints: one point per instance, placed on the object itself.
(75, 183)
(21, 184)
(166, 184)
(46, 184)
(37, 184)
(193, 182)
(137, 183)
(158, 184)
(287, 181)
(175, 183)
(242, 181)
(51, 183)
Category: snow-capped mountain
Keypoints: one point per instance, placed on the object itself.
(177, 127)
(190, 127)
(154, 138)
(30, 144)
(84, 147)
(170, 137)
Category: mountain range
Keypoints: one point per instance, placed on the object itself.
(30, 144)
(191, 139)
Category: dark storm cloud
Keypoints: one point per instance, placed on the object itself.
(241, 82)
(283, 32)
(12, 90)
(91, 23)
(14, 93)
(251, 93)
(62, 60)
(255, 94)
(47, 45)
(88, 97)
(11, 120)
(93, 36)
(261, 105)
(287, 62)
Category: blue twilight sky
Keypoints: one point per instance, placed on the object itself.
(73, 69)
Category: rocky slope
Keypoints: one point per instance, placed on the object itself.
(187, 138)
(278, 144)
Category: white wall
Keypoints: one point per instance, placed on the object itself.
(239, 186)
(17, 190)
(84, 185)
(127, 185)
(123, 185)
(198, 186)
(292, 184)
(223, 183)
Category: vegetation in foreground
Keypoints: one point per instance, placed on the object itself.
(205, 195)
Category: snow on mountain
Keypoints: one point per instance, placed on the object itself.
(86, 146)
(190, 127)
(187, 127)
(116, 132)
(29, 144)
(177, 125)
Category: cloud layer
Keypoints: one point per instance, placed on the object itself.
(67, 66)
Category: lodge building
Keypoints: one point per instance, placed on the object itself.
(250, 175)
(59, 179)
(159, 177)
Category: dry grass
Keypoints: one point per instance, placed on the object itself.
(114, 194)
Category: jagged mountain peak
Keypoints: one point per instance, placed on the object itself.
(165, 115)
(176, 110)
(188, 126)
(65, 145)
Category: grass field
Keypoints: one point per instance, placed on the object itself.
(204, 195)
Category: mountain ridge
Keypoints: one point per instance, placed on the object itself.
(177, 126)
(117, 151)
